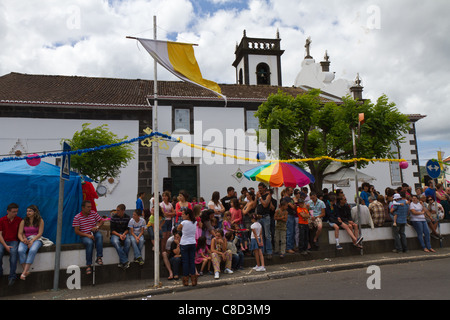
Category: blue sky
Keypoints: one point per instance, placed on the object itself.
(211, 6)
(428, 149)
(400, 48)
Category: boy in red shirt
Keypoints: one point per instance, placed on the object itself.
(9, 227)
(303, 227)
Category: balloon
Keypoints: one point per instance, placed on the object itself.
(403, 164)
(35, 161)
(261, 156)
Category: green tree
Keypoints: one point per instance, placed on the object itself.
(101, 164)
(310, 128)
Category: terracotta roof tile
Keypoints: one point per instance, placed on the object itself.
(73, 90)
(64, 89)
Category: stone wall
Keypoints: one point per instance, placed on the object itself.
(379, 240)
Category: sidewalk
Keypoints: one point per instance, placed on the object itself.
(142, 289)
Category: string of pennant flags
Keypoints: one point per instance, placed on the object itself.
(162, 138)
(289, 160)
(93, 149)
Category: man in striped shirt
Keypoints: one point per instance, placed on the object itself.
(86, 225)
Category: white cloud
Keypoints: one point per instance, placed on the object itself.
(399, 47)
(221, 1)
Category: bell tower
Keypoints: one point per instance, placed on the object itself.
(258, 61)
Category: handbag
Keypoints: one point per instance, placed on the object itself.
(45, 241)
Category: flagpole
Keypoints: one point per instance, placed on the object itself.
(358, 209)
(156, 166)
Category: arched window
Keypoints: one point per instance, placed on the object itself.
(262, 74)
(241, 77)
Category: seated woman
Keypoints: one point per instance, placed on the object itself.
(431, 216)
(30, 233)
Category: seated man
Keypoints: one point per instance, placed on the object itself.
(9, 226)
(166, 253)
(335, 221)
(346, 215)
(86, 225)
(317, 208)
(119, 235)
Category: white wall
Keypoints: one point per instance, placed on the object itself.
(45, 261)
(380, 233)
(210, 128)
(38, 135)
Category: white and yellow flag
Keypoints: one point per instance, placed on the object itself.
(180, 60)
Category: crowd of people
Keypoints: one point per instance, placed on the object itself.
(422, 210)
(254, 223)
(197, 237)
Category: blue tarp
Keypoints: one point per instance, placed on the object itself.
(39, 185)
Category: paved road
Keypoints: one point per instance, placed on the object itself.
(323, 279)
(422, 280)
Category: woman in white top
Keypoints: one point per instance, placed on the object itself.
(188, 227)
(419, 223)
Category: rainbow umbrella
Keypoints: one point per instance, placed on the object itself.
(277, 174)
